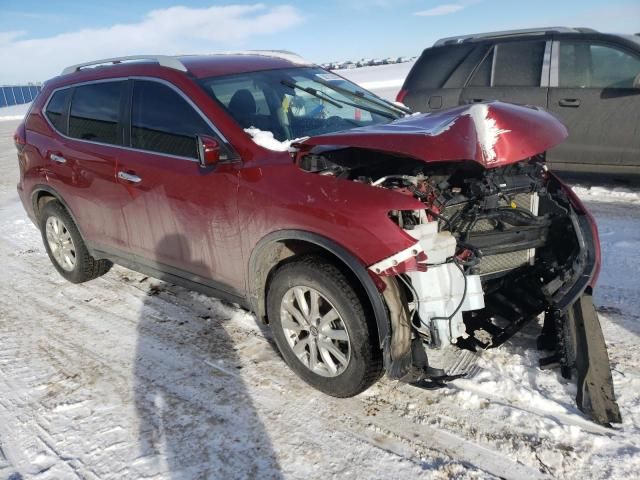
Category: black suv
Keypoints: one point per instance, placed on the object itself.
(590, 80)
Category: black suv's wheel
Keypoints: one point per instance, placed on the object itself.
(321, 329)
(65, 246)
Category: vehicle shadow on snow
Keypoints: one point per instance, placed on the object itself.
(196, 416)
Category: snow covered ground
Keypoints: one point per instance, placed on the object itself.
(384, 80)
(15, 112)
(130, 377)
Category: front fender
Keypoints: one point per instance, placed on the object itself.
(257, 280)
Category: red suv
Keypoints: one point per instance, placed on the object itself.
(369, 239)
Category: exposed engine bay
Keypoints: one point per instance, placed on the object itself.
(494, 249)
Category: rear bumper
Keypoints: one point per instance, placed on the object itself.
(27, 203)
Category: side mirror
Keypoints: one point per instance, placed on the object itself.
(636, 81)
(208, 151)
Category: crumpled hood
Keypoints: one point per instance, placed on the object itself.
(493, 134)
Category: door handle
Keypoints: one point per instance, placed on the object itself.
(129, 177)
(57, 158)
(569, 102)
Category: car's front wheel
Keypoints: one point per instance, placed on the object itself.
(65, 247)
(321, 328)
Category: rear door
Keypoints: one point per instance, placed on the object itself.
(511, 71)
(180, 217)
(592, 92)
(81, 160)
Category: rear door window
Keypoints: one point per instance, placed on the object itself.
(95, 112)
(590, 65)
(56, 110)
(518, 64)
(163, 121)
(482, 76)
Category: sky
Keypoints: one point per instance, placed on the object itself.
(39, 38)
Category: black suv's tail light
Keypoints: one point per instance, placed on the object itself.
(401, 94)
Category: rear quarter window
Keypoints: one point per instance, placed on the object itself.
(436, 65)
(56, 110)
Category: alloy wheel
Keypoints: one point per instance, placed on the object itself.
(315, 331)
(60, 243)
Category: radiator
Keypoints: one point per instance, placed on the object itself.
(501, 262)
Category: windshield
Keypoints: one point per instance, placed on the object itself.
(298, 102)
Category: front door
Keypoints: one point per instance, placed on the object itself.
(180, 216)
(592, 92)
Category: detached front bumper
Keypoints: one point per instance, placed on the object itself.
(586, 265)
(572, 329)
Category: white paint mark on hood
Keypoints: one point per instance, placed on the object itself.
(486, 130)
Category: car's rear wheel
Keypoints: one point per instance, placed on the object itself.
(321, 328)
(65, 247)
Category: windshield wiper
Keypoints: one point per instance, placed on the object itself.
(311, 91)
(361, 95)
(336, 101)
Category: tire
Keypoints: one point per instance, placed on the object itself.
(65, 247)
(334, 293)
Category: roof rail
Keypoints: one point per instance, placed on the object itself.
(283, 54)
(509, 33)
(162, 60)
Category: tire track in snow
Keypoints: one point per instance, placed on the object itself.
(468, 452)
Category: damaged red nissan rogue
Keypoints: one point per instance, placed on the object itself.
(370, 239)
